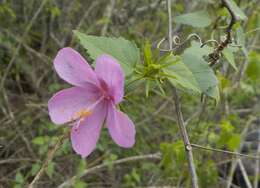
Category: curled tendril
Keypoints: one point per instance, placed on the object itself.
(235, 45)
(177, 42)
(159, 44)
(209, 41)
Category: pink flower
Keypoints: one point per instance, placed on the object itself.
(91, 101)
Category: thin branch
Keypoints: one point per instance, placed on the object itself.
(39, 55)
(50, 156)
(225, 151)
(108, 14)
(253, 30)
(233, 17)
(11, 161)
(16, 127)
(244, 174)
(84, 17)
(185, 137)
(70, 181)
(224, 181)
(235, 162)
(257, 162)
(17, 50)
(151, 6)
(244, 64)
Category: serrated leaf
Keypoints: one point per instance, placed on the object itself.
(124, 51)
(239, 14)
(195, 19)
(228, 54)
(204, 75)
(181, 75)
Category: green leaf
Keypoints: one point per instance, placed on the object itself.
(179, 74)
(40, 140)
(50, 169)
(228, 53)
(234, 141)
(209, 171)
(19, 178)
(224, 83)
(214, 93)
(160, 87)
(82, 166)
(80, 184)
(253, 68)
(124, 51)
(239, 14)
(109, 160)
(204, 75)
(228, 137)
(226, 127)
(172, 153)
(195, 19)
(147, 88)
(147, 53)
(35, 168)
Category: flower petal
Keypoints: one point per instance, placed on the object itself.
(73, 68)
(85, 136)
(120, 127)
(66, 103)
(109, 70)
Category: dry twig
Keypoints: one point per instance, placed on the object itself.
(29, 26)
(49, 158)
(70, 181)
(225, 151)
(108, 14)
(244, 174)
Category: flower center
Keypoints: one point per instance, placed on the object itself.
(105, 92)
(82, 114)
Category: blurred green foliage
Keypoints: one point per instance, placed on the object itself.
(27, 133)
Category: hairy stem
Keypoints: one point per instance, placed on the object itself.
(214, 56)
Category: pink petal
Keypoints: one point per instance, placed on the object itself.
(73, 68)
(109, 70)
(66, 103)
(120, 127)
(85, 136)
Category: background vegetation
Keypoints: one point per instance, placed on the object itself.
(31, 33)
